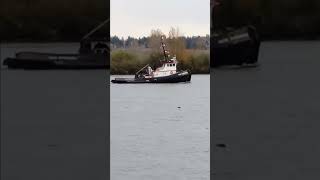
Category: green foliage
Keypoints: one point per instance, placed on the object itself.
(123, 62)
(129, 62)
(154, 59)
(200, 63)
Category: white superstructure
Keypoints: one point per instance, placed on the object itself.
(167, 68)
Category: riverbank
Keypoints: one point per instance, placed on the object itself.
(129, 61)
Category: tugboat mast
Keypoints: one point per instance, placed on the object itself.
(164, 50)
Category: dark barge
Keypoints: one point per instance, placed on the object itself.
(93, 54)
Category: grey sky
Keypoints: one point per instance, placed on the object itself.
(137, 17)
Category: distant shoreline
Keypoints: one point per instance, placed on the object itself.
(78, 42)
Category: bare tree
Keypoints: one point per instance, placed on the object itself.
(155, 39)
(177, 44)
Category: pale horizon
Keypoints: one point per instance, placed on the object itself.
(137, 18)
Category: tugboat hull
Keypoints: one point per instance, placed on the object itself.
(184, 76)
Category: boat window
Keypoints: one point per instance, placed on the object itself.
(170, 65)
(173, 64)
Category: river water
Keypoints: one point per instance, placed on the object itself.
(54, 123)
(161, 131)
(268, 117)
(57, 119)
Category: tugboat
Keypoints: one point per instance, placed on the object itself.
(230, 46)
(93, 54)
(166, 73)
(236, 47)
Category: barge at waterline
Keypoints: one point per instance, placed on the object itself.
(166, 73)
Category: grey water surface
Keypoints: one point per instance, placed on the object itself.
(268, 117)
(161, 131)
(54, 123)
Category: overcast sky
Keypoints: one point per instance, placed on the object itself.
(137, 17)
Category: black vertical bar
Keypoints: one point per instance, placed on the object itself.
(0, 109)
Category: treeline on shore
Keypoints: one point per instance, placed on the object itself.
(274, 19)
(131, 58)
(193, 42)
